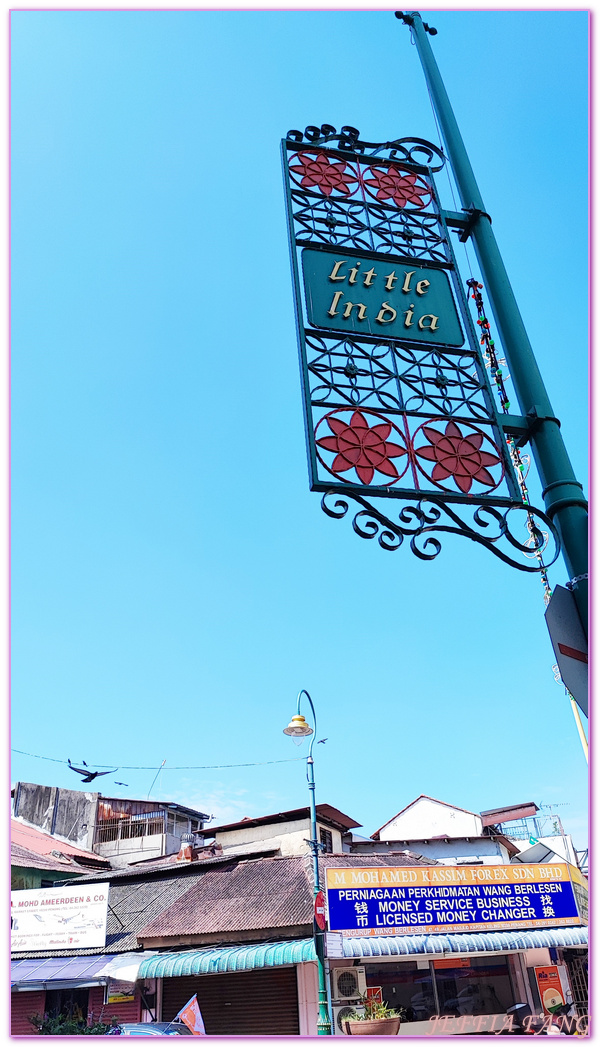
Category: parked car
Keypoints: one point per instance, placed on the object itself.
(150, 1029)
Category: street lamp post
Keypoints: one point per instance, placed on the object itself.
(562, 492)
(298, 728)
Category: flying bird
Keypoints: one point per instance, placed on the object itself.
(88, 776)
(121, 783)
(322, 741)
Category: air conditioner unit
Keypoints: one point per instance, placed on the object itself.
(349, 983)
(341, 1013)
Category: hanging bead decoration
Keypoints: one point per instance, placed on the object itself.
(520, 462)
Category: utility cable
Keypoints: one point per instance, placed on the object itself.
(203, 767)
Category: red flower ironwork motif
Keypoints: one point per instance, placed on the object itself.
(317, 169)
(399, 186)
(362, 447)
(458, 456)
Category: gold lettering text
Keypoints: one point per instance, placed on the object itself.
(362, 310)
(408, 321)
(406, 284)
(422, 286)
(333, 274)
(332, 311)
(386, 308)
(428, 327)
(369, 277)
(391, 280)
(353, 273)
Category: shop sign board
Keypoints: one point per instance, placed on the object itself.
(59, 918)
(334, 945)
(320, 910)
(580, 890)
(425, 899)
(119, 992)
(550, 987)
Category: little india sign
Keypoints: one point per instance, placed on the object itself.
(380, 296)
(423, 900)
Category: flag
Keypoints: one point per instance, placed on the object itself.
(190, 1015)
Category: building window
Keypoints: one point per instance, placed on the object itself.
(405, 986)
(482, 987)
(71, 1003)
(326, 839)
(451, 988)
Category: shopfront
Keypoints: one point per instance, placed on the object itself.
(69, 985)
(478, 990)
(448, 945)
(454, 987)
(264, 988)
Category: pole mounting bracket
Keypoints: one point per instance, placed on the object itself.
(522, 427)
(473, 216)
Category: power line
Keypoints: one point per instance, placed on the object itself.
(152, 767)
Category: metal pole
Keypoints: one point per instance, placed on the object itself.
(563, 494)
(579, 724)
(323, 1020)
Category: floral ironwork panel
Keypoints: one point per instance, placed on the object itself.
(383, 207)
(366, 448)
(397, 399)
(393, 376)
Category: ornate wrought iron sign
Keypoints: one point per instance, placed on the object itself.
(397, 401)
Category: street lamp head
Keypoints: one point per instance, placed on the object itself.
(298, 727)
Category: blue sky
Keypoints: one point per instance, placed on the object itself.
(174, 582)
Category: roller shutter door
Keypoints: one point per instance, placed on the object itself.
(246, 1003)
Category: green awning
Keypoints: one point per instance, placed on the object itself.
(228, 958)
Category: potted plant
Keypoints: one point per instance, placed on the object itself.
(377, 1019)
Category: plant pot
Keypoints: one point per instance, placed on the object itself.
(373, 1027)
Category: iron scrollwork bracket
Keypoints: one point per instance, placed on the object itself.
(421, 521)
(416, 151)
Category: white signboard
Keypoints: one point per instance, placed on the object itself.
(71, 917)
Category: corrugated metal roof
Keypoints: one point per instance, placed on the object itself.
(21, 857)
(44, 843)
(253, 895)
(225, 959)
(492, 941)
(245, 895)
(64, 968)
(228, 958)
(325, 813)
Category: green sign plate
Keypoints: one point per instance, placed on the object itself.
(382, 297)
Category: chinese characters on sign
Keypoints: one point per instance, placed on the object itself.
(467, 898)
